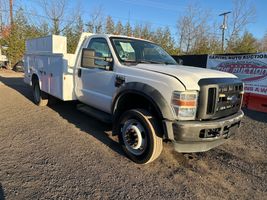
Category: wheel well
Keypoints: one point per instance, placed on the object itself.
(132, 101)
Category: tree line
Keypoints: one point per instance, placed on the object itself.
(195, 32)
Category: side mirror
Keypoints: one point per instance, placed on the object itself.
(180, 61)
(89, 60)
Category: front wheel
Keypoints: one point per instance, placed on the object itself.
(138, 134)
(39, 97)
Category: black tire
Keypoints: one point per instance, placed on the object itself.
(39, 98)
(139, 125)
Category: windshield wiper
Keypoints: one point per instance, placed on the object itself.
(154, 62)
(150, 62)
(147, 62)
(168, 63)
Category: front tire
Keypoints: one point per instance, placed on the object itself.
(139, 136)
(39, 97)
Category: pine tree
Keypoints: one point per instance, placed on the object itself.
(245, 44)
(164, 38)
(119, 28)
(21, 30)
(128, 29)
(69, 33)
(157, 36)
(73, 34)
(109, 29)
(146, 32)
(137, 32)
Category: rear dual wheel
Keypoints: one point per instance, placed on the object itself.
(39, 98)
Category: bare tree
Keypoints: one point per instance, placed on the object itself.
(95, 25)
(56, 11)
(4, 15)
(243, 14)
(263, 44)
(192, 28)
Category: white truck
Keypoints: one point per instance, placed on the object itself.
(3, 60)
(139, 88)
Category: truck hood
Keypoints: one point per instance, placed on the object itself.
(189, 76)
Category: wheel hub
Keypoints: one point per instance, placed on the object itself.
(133, 134)
(133, 137)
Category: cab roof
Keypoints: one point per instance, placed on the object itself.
(120, 36)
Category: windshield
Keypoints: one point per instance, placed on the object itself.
(133, 51)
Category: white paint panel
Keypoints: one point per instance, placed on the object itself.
(48, 44)
(47, 57)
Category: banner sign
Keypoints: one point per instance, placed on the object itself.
(250, 68)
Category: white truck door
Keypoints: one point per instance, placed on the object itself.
(95, 86)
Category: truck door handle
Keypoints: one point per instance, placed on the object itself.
(79, 72)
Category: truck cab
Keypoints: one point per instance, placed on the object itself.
(139, 88)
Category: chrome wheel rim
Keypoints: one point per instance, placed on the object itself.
(134, 137)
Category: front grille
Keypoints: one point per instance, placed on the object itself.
(220, 99)
(212, 94)
(229, 97)
(229, 100)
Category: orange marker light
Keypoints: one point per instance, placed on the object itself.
(183, 103)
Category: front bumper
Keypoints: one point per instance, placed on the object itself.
(198, 136)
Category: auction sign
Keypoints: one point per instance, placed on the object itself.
(250, 68)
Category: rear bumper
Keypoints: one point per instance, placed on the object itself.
(198, 136)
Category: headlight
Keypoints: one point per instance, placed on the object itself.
(184, 104)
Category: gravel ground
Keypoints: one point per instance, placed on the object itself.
(56, 152)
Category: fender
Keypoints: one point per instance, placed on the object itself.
(147, 91)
